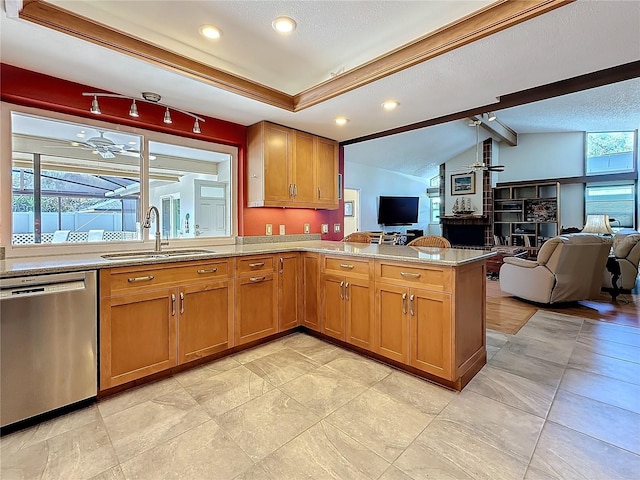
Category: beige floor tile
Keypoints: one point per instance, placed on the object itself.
(311, 347)
(323, 390)
(419, 393)
(362, 369)
(584, 358)
(610, 349)
(611, 332)
(385, 425)
(322, 452)
(491, 351)
(254, 353)
(513, 390)
(282, 366)
(393, 473)
(201, 373)
(266, 423)
(114, 473)
(204, 452)
(154, 422)
(599, 420)
(24, 463)
(565, 454)
(604, 389)
(536, 369)
(553, 350)
(228, 390)
(135, 396)
(548, 325)
(496, 339)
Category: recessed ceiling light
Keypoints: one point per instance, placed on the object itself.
(341, 120)
(209, 31)
(390, 104)
(284, 25)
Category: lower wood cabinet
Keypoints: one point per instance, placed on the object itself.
(289, 290)
(391, 326)
(311, 291)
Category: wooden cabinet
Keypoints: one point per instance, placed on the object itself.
(142, 309)
(289, 290)
(311, 290)
(526, 215)
(256, 289)
(289, 168)
(347, 299)
(391, 326)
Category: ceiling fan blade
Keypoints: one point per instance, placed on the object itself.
(496, 168)
(106, 154)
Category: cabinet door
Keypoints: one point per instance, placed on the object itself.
(327, 173)
(391, 331)
(333, 318)
(137, 336)
(303, 168)
(277, 163)
(256, 307)
(205, 324)
(359, 302)
(311, 283)
(430, 314)
(289, 290)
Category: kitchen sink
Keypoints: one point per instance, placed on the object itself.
(152, 255)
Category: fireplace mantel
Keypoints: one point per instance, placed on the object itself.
(466, 219)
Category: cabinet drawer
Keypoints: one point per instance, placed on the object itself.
(250, 265)
(129, 279)
(345, 265)
(431, 278)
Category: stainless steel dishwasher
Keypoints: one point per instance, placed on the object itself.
(48, 343)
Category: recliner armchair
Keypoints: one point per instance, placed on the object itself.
(626, 249)
(568, 268)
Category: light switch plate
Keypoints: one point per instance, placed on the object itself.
(269, 229)
(336, 228)
(281, 229)
(325, 228)
(307, 229)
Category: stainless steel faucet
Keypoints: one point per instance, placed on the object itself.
(147, 224)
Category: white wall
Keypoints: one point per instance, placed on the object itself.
(374, 182)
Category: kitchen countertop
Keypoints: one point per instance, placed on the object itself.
(19, 266)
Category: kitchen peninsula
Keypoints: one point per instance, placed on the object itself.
(417, 308)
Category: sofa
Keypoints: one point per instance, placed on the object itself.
(626, 250)
(568, 268)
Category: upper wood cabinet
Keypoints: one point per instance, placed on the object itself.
(289, 168)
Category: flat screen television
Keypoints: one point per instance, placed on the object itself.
(397, 210)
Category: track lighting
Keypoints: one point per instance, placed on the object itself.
(95, 108)
(147, 97)
(491, 116)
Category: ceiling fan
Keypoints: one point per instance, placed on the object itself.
(478, 165)
(104, 146)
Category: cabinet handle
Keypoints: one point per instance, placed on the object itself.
(341, 294)
(140, 279)
(256, 279)
(346, 265)
(290, 190)
(256, 265)
(173, 304)
(181, 302)
(319, 196)
(404, 303)
(412, 275)
(295, 189)
(346, 291)
(281, 265)
(411, 305)
(207, 270)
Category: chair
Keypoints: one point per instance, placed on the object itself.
(430, 241)
(568, 268)
(626, 250)
(357, 237)
(60, 236)
(95, 235)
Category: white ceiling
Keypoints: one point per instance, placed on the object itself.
(576, 39)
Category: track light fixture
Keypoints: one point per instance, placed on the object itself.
(491, 116)
(147, 97)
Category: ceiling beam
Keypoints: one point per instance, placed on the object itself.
(489, 20)
(498, 130)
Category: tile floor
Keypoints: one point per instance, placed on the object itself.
(558, 400)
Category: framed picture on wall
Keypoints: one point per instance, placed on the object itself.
(348, 208)
(463, 184)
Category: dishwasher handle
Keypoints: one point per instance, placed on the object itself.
(37, 290)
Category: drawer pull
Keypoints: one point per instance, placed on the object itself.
(256, 279)
(208, 270)
(140, 279)
(256, 265)
(346, 265)
(412, 275)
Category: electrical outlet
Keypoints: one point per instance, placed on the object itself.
(281, 229)
(269, 229)
(336, 228)
(325, 228)
(307, 229)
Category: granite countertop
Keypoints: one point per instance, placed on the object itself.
(19, 266)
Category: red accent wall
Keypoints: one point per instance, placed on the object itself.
(32, 89)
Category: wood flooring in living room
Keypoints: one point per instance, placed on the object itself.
(508, 314)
